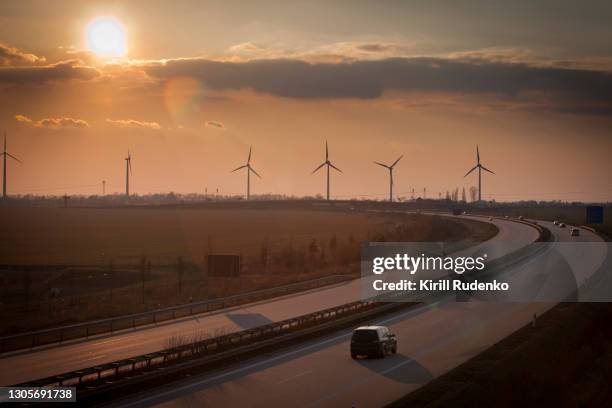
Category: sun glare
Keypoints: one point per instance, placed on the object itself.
(105, 36)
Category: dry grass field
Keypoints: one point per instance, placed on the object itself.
(86, 236)
(63, 265)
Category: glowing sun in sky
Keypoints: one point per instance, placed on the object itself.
(106, 37)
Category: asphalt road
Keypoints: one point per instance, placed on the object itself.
(432, 340)
(46, 361)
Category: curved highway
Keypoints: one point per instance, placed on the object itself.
(28, 365)
(433, 339)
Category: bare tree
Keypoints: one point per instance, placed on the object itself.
(473, 193)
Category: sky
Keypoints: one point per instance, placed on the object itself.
(188, 86)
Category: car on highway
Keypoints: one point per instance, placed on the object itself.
(376, 341)
(521, 218)
(555, 222)
(575, 232)
(561, 225)
(490, 218)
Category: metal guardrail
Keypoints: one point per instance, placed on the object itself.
(213, 346)
(110, 325)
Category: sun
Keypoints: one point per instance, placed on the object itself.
(106, 37)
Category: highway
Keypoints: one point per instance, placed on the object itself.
(432, 340)
(42, 362)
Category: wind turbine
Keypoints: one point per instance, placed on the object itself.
(128, 173)
(328, 164)
(249, 170)
(6, 154)
(480, 167)
(390, 168)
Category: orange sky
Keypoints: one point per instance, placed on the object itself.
(540, 113)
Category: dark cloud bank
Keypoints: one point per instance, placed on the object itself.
(61, 71)
(570, 90)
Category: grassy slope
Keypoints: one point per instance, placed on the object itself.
(565, 361)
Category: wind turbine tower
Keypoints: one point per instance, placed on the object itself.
(6, 154)
(249, 170)
(329, 164)
(480, 167)
(128, 173)
(390, 168)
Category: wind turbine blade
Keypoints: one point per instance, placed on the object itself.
(253, 170)
(249, 159)
(326, 151)
(395, 162)
(13, 157)
(130, 165)
(383, 165)
(485, 169)
(473, 168)
(315, 170)
(238, 168)
(335, 167)
(477, 155)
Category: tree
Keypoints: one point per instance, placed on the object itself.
(473, 193)
(455, 194)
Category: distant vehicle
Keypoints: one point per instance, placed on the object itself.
(373, 341)
(505, 216)
(456, 212)
(561, 225)
(521, 218)
(555, 222)
(490, 218)
(575, 232)
(464, 213)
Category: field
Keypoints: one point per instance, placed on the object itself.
(564, 361)
(61, 265)
(85, 236)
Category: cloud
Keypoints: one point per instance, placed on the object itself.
(131, 123)
(61, 71)
(23, 119)
(53, 123)
(14, 56)
(215, 124)
(369, 79)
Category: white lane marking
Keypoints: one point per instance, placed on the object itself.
(93, 358)
(293, 377)
(106, 341)
(264, 362)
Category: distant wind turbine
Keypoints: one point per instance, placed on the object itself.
(249, 170)
(128, 173)
(480, 167)
(328, 164)
(6, 154)
(390, 168)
